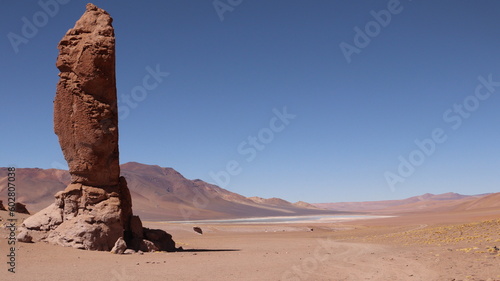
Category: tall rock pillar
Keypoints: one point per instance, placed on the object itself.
(95, 210)
(85, 107)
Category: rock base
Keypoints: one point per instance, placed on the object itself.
(94, 218)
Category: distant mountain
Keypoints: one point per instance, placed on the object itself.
(305, 205)
(35, 187)
(271, 201)
(423, 202)
(490, 201)
(158, 194)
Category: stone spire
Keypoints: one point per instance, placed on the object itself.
(85, 107)
(94, 212)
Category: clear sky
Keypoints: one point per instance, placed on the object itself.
(320, 101)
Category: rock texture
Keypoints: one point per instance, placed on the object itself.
(85, 108)
(21, 208)
(198, 229)
(120, 247)
(18, 207)
(94, 212)
(25, 237)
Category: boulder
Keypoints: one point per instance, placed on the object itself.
(148, 246)
(161, 239)
(45, 220)
(120, 247)
(129, 252)
(24, 236)
(197, 230)
(21, 208)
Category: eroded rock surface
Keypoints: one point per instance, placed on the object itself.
(95, 210)
(85, 107)
(21, 208)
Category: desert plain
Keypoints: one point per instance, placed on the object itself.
(457, 244)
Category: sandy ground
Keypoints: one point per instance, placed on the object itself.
(414, 247)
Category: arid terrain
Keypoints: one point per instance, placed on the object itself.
(158, 194)
(320, 99)
(429, 237)
(460, 244)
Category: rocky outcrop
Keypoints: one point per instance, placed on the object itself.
(162, 240)
(94, 212)
(85, 107)
(24, 236)
(21, 208)
(120, 246)
(18, 208)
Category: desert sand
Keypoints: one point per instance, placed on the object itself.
(444, 246)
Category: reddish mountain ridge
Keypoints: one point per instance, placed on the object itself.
(157, 194)
(423, 203)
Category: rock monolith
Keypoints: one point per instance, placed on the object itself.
(85, 108)
(95, 209)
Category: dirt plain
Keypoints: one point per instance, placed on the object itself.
(420, 246)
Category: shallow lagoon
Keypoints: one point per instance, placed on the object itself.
(284, 219)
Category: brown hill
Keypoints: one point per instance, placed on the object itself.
(490, 201)
(460, 205)
(305, 205)
(271, 201)
(158, 194)
(425, 202)
(35, 187)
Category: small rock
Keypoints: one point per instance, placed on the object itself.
(25, 237)
(21, 208)
(148, 246)
(198, 230)
(120, 246)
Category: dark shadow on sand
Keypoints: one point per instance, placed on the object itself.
(208, 250)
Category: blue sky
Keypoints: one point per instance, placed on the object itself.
(230, 70)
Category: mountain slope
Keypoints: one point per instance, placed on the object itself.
(157, 194)
(423, 202)
(490, 201)
(35, 187)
